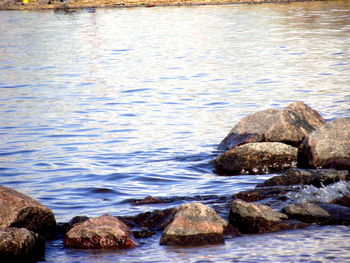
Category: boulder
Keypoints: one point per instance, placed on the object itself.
(19, 244)
(319, 213)
(257, 158)
(327, 147)
(194, 224)
(318, 178)
(288, 125)
(101, 232)
(252, 218)
(19, 210)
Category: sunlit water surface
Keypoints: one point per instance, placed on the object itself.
(99, 107)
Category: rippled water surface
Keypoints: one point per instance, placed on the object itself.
(99, 107)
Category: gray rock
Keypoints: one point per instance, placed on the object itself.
(194, 224)
(252, 218)
(318, 178)
(19, 244)
(257, 158)
(101, 232)
(320, 213)
(19, 210)
(327, 147)
(289, 125)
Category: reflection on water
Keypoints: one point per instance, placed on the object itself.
(99, 108)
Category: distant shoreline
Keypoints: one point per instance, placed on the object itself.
(81, 4)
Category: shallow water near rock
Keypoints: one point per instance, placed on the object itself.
(98, 109)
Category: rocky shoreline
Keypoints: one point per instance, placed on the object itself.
(81, 4)
(319, 158)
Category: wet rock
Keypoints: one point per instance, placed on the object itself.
(327, 147)
(252, 218)
(19, 210)
(20, 244)
(144, 233)
(344, 201)
(155, 220)
(319, 213)
(289, 125)
(261, 193)
(194, 224)
(101, 232)
(148, 200)
(257, 158)
(318, 178)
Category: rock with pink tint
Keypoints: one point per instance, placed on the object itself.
(104, 232)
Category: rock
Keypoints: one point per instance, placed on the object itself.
(144, 233)
(313, 177)
(19, 210)
(257, 158)
(319, 213)
(262, 193)
(65, 227)
(289, 125)
(155, 220)
(101, 232)
(252, 218)
(344, 201)
(19, 244)
(327, 147)
(194, 224)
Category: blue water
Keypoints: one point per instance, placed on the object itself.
(100, 108)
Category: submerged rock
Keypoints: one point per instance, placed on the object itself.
(194, 224)
(19, 210)
(252, 218)
(318, 178)
(262, 193)
(101, 232)
(319, 213)
(327, 147)
(258, 158)
(19, 244)
(289, 125)
(344, 201)
(155, 220)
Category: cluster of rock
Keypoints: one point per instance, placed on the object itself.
(272, 141)
(261, 143)
(24, 225)
(190, 224)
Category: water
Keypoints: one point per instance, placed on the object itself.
(100, 107)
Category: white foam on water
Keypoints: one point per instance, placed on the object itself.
(325, 194)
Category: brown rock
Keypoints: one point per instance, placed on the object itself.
(289, 125)
(318, 178)
(344, 201)
(254, 218)
(102, 232)
(19, 210)
(19, 243)
(261, 193)
(257, 158)
(155, 220)
(194, 224)
(327, 147)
